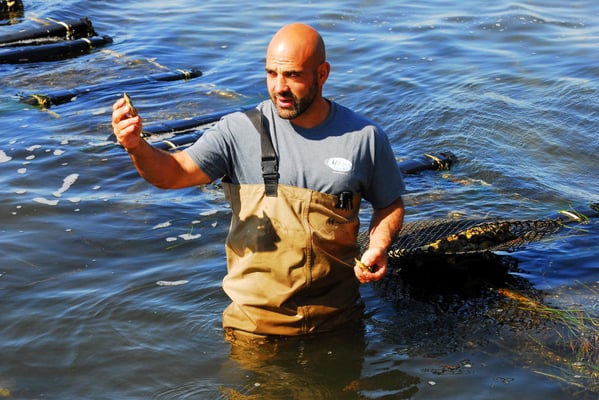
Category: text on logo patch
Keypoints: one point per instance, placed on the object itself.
(338, 164)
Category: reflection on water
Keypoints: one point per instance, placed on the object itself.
(457, 303)
(447, 303)
(310, 367)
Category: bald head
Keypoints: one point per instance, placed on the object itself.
(299, 42)
(296, 70)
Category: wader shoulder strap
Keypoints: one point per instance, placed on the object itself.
(270, 162)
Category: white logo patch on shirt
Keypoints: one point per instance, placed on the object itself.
(338, 164)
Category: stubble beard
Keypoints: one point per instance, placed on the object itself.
(300, 105)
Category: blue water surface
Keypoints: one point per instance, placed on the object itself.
(86, 246)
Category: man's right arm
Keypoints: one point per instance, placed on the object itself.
(161, 168)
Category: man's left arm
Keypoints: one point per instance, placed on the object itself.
(384, 227)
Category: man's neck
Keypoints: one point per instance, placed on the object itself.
(315, 115)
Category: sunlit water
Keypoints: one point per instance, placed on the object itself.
(85, 244)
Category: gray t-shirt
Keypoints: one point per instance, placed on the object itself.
(347, 152)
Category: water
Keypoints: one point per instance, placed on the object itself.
(510, 88)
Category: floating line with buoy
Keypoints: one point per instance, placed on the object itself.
(49, 31)
(66, 95)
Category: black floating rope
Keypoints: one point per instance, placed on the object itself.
(53, 51)
(64, 96)
(428, 162)
(50, 31)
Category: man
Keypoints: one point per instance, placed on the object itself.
(292, 242)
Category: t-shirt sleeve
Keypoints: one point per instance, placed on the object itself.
(387, 183)
(230, 148)
(210, 151)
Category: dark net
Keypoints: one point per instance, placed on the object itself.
(466, 236)
(469, 236)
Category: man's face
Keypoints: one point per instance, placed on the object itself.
(292, 88)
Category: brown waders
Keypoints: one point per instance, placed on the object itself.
(290, 261)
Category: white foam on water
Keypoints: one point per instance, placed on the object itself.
(66, 184)
(163, 225)
(207, 213)
(99, 111)
(189, 236)
(43, 200)
(4, 158)
(171, 283)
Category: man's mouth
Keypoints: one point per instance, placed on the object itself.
(285, 102)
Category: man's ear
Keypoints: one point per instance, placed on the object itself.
(323, 72)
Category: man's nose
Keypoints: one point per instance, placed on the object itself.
(281, 83)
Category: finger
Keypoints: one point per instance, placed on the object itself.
(119, 114)
(130, 126)
(378, 274)
(361, 275)
(118, 104)
(127, 134)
